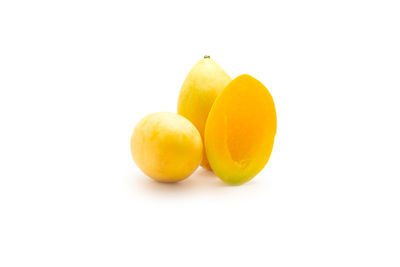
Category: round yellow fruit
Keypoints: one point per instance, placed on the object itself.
(199, 90)
(166, 147)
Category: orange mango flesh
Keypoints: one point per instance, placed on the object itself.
(240, 130)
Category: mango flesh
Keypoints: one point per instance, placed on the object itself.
(202, 85)
(240, 130)
(166, 147)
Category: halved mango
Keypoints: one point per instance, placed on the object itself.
(240, 130)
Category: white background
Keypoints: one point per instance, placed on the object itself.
(76, 76)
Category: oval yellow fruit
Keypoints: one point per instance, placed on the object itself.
(240, 130)
(166, 147)
(202, 85)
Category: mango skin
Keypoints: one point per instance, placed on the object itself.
(240, 130)
(199, 90)
(166, 147)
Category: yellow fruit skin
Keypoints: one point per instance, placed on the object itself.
(202, 85)
(240, 130)
(166, 147)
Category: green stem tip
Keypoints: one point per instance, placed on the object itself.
(206, 56)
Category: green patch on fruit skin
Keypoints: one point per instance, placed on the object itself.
(235, 181)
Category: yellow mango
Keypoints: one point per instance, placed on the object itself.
(166, 146)
(202, 85)
(240, 130)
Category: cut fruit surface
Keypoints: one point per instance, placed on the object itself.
(240, 130)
